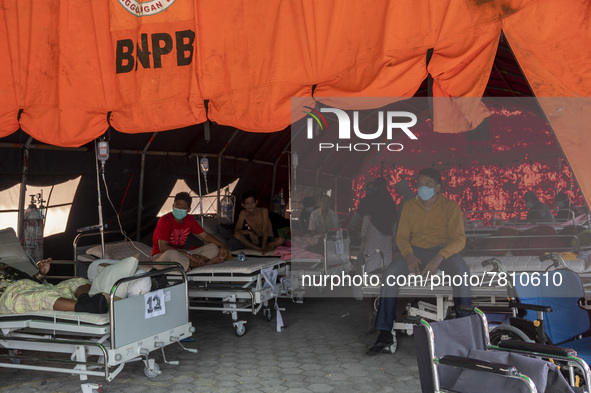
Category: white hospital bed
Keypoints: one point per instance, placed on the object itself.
(335, 259)
(234, 286)
(97, 345)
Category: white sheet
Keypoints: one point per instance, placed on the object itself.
(233, 266)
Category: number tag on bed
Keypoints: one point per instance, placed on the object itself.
(154, 304)
(338, 246)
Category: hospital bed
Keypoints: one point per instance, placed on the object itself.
(234, 287)
(95, 345)
(118, 247)
(334, 258)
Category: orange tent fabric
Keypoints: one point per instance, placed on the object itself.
(72, 67)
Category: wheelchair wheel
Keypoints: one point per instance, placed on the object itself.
(507, 332)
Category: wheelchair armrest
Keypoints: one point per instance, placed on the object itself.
(544, 349)
(533, 307)
(479, 365)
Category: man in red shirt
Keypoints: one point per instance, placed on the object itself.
(173, 230)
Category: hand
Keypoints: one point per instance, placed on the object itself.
(198, 259)
(254, 238)
(433, 265)
(413, 263)
(223, 252)
(44, 266)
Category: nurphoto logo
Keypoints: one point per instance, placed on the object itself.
(393, 120)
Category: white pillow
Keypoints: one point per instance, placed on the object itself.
(93, 268)
(139, 286)
(108, 275)
(120, 250)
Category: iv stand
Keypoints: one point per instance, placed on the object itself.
(202, 167)
(100, 206)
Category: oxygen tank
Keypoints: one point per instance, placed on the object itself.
(33, 231)
(227, 207)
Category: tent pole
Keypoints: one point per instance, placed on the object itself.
(140, 205)
(336, 187)
(23, 189)
(275, 170)
(200, 192)
(141, 190)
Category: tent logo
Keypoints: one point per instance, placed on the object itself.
(391, 119)
(146, 7)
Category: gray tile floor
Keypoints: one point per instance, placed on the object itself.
(322, 349)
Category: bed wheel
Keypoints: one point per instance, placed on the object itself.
(152, 373)
(393, 347)
(268, 314)
(240, 330)
(297, 299)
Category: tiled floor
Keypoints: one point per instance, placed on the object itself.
(322, 349)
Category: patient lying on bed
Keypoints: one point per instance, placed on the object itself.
(20, 293)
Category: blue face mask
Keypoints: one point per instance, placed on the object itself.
(179, 214)
(426, 193)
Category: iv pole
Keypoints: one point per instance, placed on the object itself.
(202, 167)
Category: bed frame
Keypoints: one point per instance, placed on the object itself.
(234, 286)
(98, 344)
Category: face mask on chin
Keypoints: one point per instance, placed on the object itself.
(426, 193)
(179, 214)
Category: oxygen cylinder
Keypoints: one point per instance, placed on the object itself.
(227, 207)
(33, 231)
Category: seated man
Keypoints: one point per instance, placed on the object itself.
(253, 229)
(323, 218)
(537, 210)
(20, 293)
(430, 236)
(171, 234)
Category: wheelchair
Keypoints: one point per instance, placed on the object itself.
(548, 310)
(456, 356)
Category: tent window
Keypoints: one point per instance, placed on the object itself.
(58, 202)
(210, 206)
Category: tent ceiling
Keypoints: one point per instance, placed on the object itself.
(506, 80)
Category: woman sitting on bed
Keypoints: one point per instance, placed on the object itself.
(20, 293)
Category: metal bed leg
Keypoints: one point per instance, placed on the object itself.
(85, 385)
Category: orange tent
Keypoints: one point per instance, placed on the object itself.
(70, 68)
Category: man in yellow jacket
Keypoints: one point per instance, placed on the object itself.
(430, 235)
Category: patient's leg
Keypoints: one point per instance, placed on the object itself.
(82, 289)
(62, 304)
(245, 242)
(96, 304)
